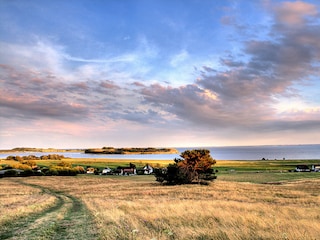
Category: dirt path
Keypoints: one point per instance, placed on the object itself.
(67, 219)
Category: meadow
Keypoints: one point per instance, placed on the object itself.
(249, 200)
(222, 166)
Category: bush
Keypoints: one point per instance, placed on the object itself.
(80, 169)
(193, 167)
(51, 172)
(64, 171)
(58, 170)
(64, 164)
(11, 173)
(20, 166)
(29, 172)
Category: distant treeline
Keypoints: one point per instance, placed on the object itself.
(27, 166)
(112, 150)
(33, 157)
(29, 149)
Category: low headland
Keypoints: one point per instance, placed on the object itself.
(148, 150)
(104, 150)
(44, 150)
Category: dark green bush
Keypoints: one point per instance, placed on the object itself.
(11, 173)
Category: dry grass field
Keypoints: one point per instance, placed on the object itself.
(137, 207)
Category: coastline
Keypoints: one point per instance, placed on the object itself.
(269, 153)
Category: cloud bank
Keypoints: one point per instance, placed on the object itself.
(46, 93)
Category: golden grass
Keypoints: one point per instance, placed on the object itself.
(18, 201)
(139, 208)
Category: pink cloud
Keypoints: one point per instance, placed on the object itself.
(295, 13)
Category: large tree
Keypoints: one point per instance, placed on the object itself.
(193, 166)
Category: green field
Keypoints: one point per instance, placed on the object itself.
(239, 171)
(275, 171)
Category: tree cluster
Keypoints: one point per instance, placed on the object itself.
(33, 157)
(30, 168)
(194, 166)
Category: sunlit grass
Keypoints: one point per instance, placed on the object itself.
(235, 206)
(17, 201)
(266, 177)
(140, 208)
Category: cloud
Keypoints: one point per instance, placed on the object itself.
(123, 58)
(246, 89)
(39, 55)
(294, 13)
(177, 94)
(37, 108)
(29, 94)
(57, 89)
(179, 58)
(139, 116)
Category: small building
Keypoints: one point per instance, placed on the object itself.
(147, 169)
(106, 171)
(302, 168)
(315, 168)
(128, 171)
(90, 170)
(131, 170)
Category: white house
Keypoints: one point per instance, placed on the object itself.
(315, 168)
(106, 171)
(147, 169)
(302, 168)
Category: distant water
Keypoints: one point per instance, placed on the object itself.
(278, 152)
(268, 152)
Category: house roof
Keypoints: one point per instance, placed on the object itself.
(302, 166)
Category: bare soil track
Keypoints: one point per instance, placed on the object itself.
(67, 219)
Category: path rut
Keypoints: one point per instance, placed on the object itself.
(67, 219)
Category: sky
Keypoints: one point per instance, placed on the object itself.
(159, 73)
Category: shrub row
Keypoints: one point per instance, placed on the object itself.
(23, 170)
(33, 157)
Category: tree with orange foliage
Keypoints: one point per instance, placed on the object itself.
(193, 166)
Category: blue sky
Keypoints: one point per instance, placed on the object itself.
(159, 73)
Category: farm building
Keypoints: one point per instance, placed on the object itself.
(106, 171)
(147, 169)
(315, 168)
(302, 168)
(131, 170)
(90, 170)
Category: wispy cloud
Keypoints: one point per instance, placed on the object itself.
(179, 58)
(247, 92)
(125, 58)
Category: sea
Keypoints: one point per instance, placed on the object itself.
(267, 152)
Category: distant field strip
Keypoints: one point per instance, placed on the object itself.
(65, 218)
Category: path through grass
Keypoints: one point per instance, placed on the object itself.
(67, 218)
